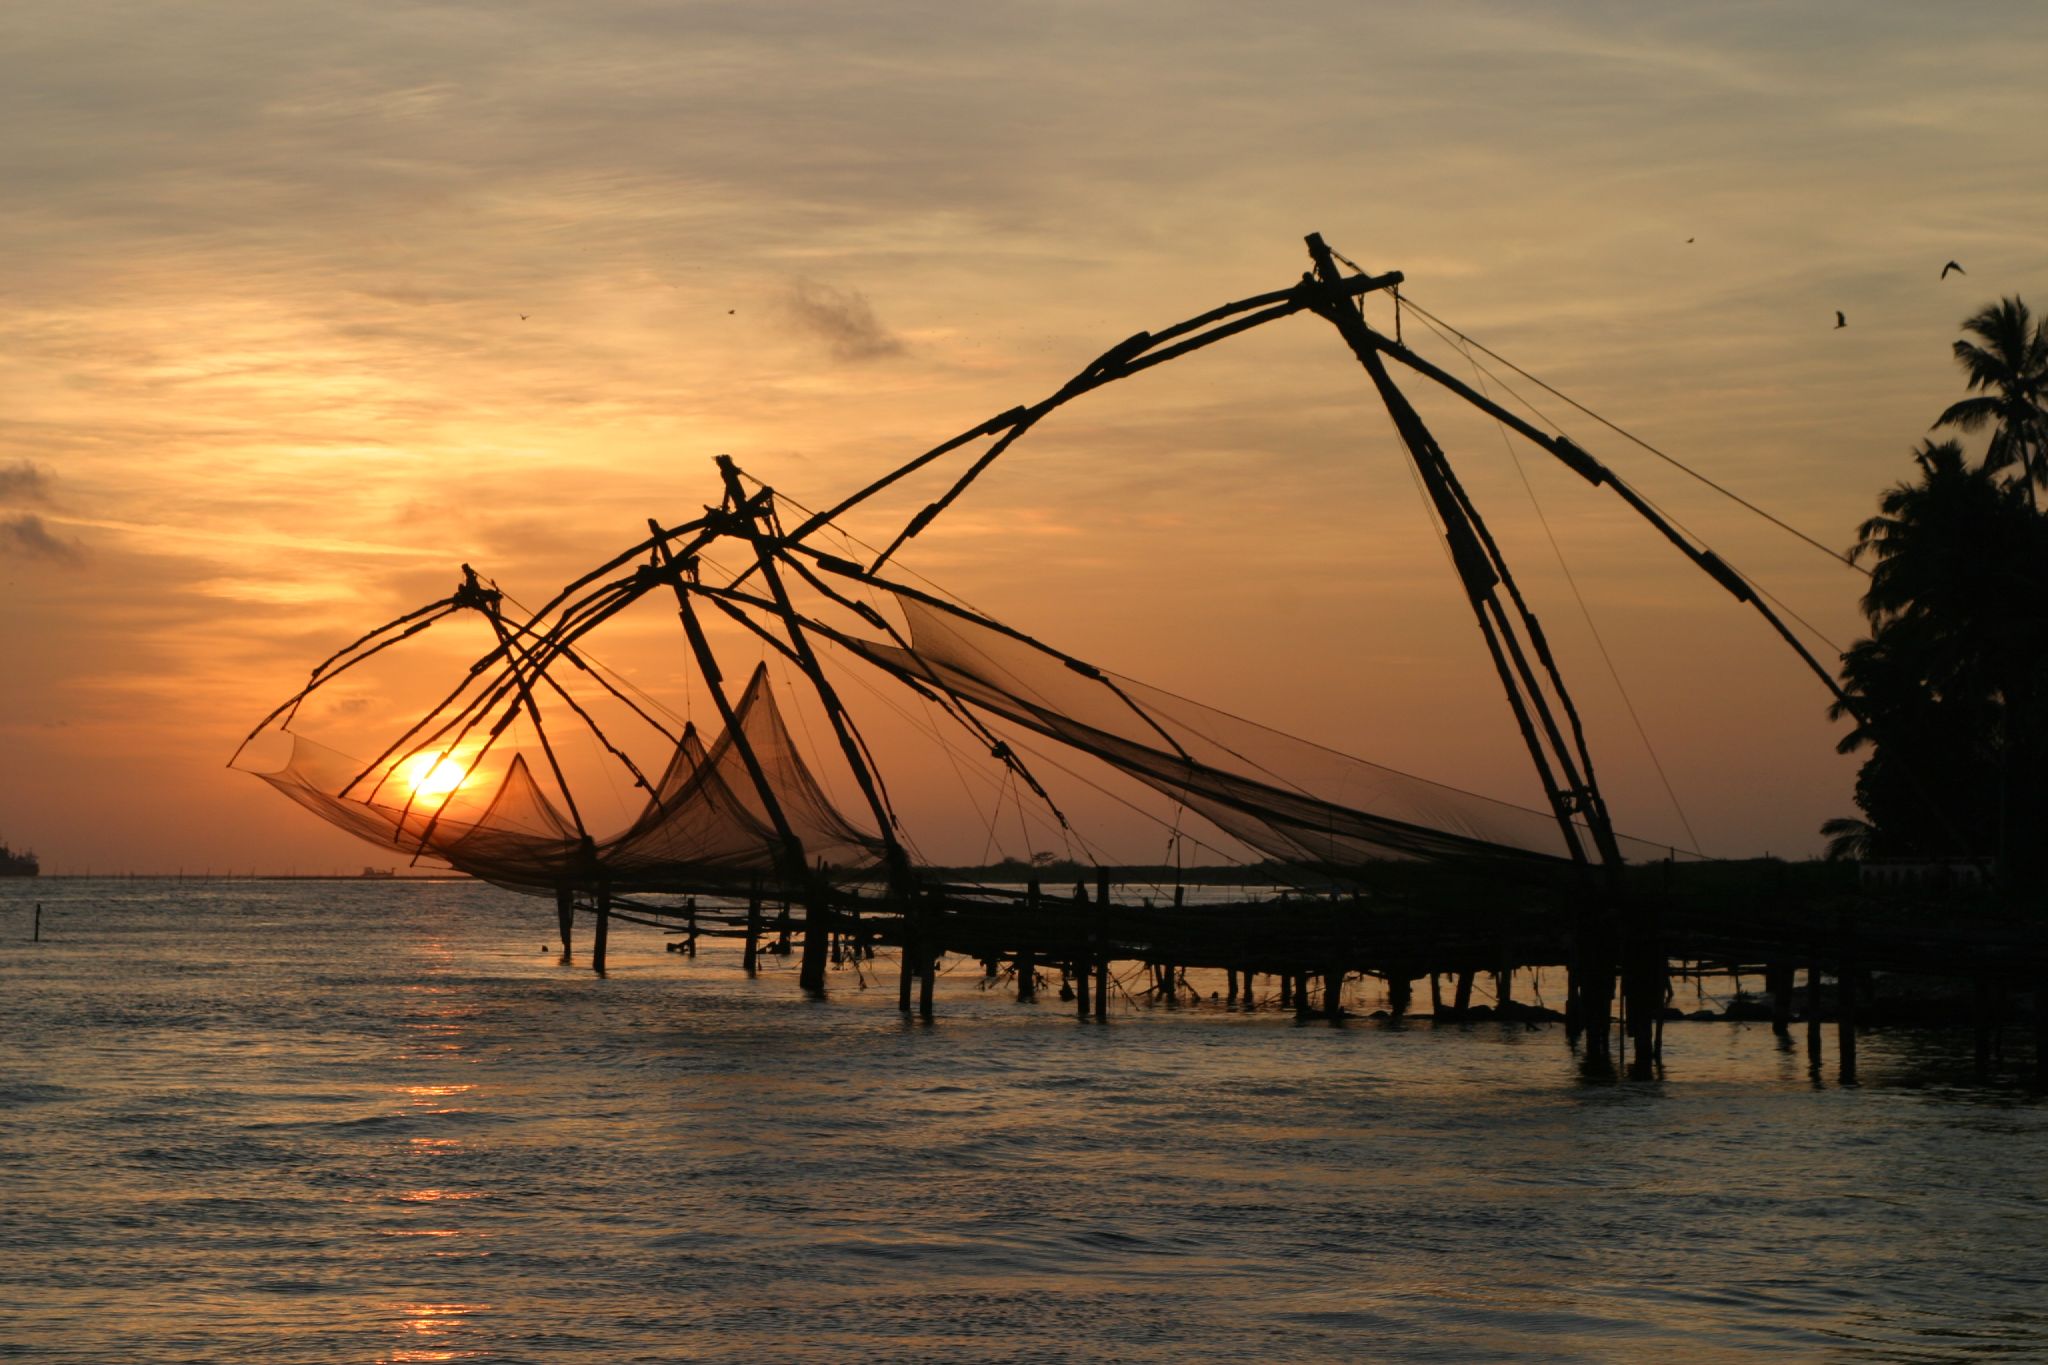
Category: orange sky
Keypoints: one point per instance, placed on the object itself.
(305, 306)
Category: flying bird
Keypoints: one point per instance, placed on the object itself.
(522, 317)
(1840, 321)
(1952, 266)
(1688, 241)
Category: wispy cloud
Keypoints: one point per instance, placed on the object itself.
(26, 536)
(23, 481)
(843, 319)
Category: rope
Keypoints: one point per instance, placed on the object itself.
(1584, 611)
(1630, 436)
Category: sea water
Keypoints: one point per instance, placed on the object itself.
(384, 1121)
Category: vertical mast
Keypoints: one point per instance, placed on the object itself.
(1567, 777)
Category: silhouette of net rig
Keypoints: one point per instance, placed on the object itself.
(737, 835)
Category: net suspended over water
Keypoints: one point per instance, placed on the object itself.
(748, 804)
(1292, 801)
(705, 823)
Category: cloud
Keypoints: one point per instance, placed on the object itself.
(26, 535)
(23, 481)
(843, 320)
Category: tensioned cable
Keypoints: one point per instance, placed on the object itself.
(1088, 844)
(932, 732)
(1652, 503)
(1630, 436)
(623, 683)
(1585, 612)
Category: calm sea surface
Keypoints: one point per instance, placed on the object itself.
(382, 1122)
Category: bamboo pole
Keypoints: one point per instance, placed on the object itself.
(750, 957)
(1099, 936)
(1027, 964)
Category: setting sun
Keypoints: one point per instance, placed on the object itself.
(432, 776)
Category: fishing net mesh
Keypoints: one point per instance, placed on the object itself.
(705, 826)
(1291, 800)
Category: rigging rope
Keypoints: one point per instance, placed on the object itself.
(1479, 373)
(1651, 503)
(1630, 436)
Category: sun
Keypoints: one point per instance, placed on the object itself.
(432, 776)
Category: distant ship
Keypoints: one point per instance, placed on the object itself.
(22, 864)
(380, 872)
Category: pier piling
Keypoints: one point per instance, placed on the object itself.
(1099, 941)
(1027, 963)
(750, 959)
(1813, 1014)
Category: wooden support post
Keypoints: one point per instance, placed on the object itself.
(1100, 938)
(1462, 1002)
(1027, 961)
(1779, 977)
(1400, 992)
(927, 971)
(1845, 1024)
(1081, 974)
(1286, 989)
(1436, 995)
(750, 959)
(1621, 1031)
(1230, 985)
(565, 914)
(1845, 998)
(690, 944)
(1643, 980)
(1813, 1014)
(604, 925)
(1333, 994)
(1302, 1008)
(1594, 980)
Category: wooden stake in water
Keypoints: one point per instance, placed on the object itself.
(1101, 939)
(750, 956)
(1027, 962)
(39, 922)
(1813, 1013)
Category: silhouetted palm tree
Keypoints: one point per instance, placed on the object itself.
(1951, 685)
(1848, 839)
(2011, 370)
(1935, 540)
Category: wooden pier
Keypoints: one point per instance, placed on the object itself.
(1820, 945)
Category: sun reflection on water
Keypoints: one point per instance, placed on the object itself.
(427, 1328)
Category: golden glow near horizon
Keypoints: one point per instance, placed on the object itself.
(296, 291)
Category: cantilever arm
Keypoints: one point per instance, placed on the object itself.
(1139, 352)
(1588, 468)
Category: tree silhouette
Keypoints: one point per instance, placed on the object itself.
(1949, 686)
(2010, 367)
